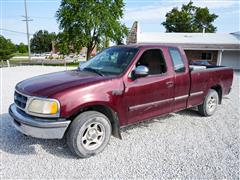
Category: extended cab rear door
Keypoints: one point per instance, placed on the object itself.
(181, 78)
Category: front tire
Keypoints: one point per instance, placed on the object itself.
(210, 103)
(89, 133)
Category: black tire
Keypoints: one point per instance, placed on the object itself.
(88, 134)
(211, 100)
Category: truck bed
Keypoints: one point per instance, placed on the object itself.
(204, 78)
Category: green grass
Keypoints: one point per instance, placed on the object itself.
(68, 64)
(30, 62)
(19, 60)
(20, 54)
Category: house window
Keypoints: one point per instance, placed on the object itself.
(207, 56)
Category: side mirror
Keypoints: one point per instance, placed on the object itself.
(140, 71)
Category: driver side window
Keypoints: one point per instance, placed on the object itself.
(153, 59)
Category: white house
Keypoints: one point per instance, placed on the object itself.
(216, 48)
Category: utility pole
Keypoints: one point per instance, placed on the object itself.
(27, 20)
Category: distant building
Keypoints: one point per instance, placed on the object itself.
(83, 50)
(216, 48)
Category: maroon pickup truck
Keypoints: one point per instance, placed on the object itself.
(120, 86)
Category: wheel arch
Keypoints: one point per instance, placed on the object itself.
(218, 89)
(107, 111)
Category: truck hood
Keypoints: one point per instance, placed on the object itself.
(49, 84)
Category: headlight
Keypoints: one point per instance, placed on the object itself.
(44, 106)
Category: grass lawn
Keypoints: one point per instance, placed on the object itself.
(21, 61)
(17, 62)
(72, 64)
(20, 54)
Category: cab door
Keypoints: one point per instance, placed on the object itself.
(181, 78)
(152, 95)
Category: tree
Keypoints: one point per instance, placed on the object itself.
(7, 48)
(42, 41)
(22, 48)
(61, 44)
(86, 22)
(190, 19)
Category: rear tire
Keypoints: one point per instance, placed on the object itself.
(89, 133)
(210, 103)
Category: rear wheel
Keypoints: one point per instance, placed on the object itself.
(89, 134)
(210, 103)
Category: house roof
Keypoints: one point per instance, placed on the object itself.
(192, 40)
(223, 41)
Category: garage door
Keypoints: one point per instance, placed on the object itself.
(231, 59)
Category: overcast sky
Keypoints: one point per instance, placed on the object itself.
(150, 14)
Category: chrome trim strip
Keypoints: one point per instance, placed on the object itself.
(181, 97)
(149, 105)
(31, 98)
(196, 93)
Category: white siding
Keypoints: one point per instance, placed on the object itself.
(231, 59)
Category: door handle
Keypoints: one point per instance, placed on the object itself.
(169, 84)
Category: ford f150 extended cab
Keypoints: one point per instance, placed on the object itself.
(122, 85)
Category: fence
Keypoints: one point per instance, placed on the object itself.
(42, 62)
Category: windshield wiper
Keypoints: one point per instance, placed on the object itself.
(93, 70)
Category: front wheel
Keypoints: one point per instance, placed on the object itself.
(89, 134)
(210, 103)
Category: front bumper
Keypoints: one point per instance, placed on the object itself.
(38, 127)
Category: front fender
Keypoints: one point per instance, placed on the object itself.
(99, 94)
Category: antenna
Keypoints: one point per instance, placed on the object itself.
(27, 20)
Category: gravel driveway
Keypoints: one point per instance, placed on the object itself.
(180, 145)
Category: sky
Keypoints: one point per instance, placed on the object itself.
(149, 13)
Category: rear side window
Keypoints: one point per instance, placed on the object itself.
(177, 60)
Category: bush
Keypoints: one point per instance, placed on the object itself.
(22, 48)
(7, 48)
(5, 54)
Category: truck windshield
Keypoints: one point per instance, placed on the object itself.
(112, 61)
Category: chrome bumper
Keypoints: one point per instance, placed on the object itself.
(38, 127)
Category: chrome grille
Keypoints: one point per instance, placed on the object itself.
(20, 100)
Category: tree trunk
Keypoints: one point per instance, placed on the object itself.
(89, 51)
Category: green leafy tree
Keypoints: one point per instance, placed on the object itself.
(190, 19)
(86, 22)
(62, 45)
(42, 41)
(22, 48)
(7, 48)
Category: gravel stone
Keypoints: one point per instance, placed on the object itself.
(179, 145)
